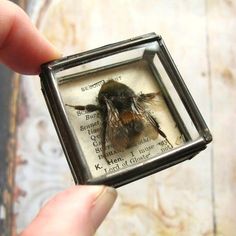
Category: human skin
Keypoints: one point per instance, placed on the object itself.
(22, 47)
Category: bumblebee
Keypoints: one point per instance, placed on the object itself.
(124, 116)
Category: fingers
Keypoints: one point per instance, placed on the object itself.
(76, 211)
(22, 47)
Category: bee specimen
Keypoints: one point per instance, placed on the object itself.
(124, 117)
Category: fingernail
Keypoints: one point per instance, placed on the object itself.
(102, 205)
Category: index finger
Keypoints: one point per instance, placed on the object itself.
(22, 47)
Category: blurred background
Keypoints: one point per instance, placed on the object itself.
(196, 197)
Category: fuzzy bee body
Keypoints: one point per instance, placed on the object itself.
(123, 126)
(123, 115)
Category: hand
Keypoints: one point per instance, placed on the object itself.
(77, 211)
(80, 209)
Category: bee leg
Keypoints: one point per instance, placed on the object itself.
(165, 137)
(157, 127)
(147, 97)
(87, 108)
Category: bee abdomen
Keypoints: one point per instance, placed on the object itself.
(129, 116)
(133, 122)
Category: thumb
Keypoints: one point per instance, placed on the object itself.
(77, 211)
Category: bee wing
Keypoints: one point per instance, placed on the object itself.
(138, 102)
(115, 130)
(139, 109)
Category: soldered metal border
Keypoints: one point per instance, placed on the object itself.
(75, 157)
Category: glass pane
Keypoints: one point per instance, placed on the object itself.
(144, 127)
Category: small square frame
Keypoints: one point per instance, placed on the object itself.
(74, 154)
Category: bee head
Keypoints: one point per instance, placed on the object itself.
(118, 93)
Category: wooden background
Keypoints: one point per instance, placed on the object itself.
(194, 198)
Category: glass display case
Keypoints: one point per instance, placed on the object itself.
(122, 111)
